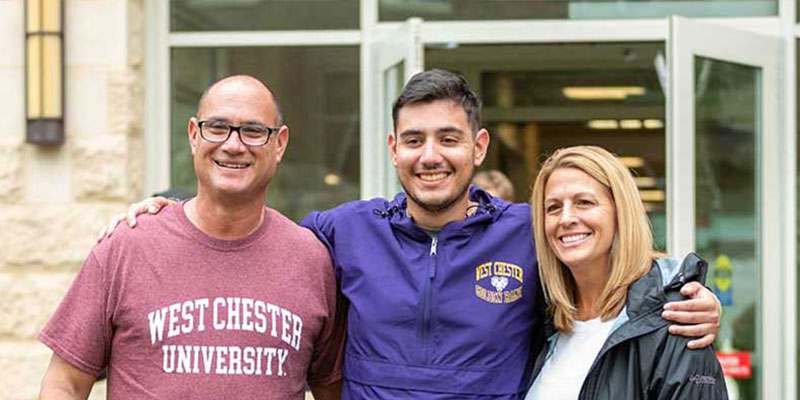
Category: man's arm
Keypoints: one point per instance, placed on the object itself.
(699, 315)
(330, 391)
(62, 381)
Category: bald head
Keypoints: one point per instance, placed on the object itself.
(239, 84)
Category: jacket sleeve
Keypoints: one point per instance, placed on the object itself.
(687, 374)
(321, 223)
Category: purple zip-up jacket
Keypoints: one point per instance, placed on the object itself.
(456, 316)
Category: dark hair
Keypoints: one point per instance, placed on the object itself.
(436, 84)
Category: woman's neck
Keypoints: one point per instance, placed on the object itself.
(590, 281)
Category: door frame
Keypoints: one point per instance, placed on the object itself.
(689, 39)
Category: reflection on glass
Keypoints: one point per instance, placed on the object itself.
(530, 114)
(579, 9)
(254, 15)
(318, 89)
(797, 223)
(727, 130)
(393, 82)
(449, 10)
(446, 10)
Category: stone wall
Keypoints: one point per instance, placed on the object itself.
(54, 201)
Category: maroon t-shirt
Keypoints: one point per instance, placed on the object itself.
(175, 313)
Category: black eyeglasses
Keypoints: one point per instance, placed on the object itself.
(250, 134)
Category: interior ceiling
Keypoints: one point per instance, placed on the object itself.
(535, 74)
(538, 72)
(535, 57)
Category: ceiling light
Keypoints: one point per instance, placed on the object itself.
(644, 181)
(632, 162)
(603, 124)
(602, 92)
(653, 123)
(630, 124)
(332, 179)
(652, 195)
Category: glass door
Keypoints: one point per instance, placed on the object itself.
(723, 183)
(399, 55)
(705, 182)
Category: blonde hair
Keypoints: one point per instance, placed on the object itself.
(632, 247)
(496, 183)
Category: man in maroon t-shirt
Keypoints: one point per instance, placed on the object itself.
(223, 298)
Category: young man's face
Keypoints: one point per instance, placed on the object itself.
(436, 153)
(231, 167)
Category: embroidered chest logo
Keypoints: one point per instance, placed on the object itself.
(498, 282)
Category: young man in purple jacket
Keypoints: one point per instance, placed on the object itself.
(442, 282)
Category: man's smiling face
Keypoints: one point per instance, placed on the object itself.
(231, 167)
(436, 153)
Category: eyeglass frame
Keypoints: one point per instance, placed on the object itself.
(237, 128)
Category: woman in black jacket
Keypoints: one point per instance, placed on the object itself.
(606, 286)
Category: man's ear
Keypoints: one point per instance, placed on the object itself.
(392, 143)
(481, 146)
(193, 131)
(282, 140)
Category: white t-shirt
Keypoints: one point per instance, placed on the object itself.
(565, 370)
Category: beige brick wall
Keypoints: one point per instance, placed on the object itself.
(54, 200)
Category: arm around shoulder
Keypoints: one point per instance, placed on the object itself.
(321, 223)
(62, 381)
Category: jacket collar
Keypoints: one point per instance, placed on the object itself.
(651, 291)
(647, 296)
(489, 209)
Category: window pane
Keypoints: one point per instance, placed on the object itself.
(256, 15)
(447, 10)
(318, 88)
(536, 101)
(797, 223)
(51, 77)
(34, 75)
(727, 130)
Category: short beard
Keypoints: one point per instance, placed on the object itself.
(437, 207)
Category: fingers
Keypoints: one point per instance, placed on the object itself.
(703, 342)
(160, 202)
(691, 317)
(693, 289)
(699, 315)
(109, 228)
(693, 331)
(705, 334)
(701, 299)
(704, 304)
(101, 234)
(134, 210)
(150, 205)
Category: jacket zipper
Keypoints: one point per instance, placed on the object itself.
(426, 299)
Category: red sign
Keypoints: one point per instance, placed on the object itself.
(735, 364)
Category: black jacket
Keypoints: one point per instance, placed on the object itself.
(641, 360)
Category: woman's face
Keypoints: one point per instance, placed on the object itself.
(580, 219)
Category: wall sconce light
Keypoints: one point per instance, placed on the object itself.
(44, 71)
